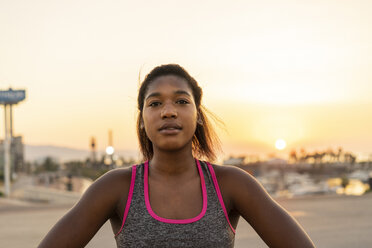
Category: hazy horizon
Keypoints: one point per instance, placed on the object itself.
(297, 71)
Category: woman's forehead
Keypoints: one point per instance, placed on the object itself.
(168, 83)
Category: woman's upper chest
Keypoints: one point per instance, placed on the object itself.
(181, 199)
(176, 199)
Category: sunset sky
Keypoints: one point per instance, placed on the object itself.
(293, 70)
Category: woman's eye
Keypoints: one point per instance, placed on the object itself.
(182, 102)
(154, 104)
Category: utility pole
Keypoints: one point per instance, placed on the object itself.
(8, 98)
(6, 153)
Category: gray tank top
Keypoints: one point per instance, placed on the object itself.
(141, 227)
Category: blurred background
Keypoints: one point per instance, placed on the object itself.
(290, 80)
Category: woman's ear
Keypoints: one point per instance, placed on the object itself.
(140, 120)
(199, 120)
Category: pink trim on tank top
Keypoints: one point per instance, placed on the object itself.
(130, 194)
(175, 221)
(215, 182)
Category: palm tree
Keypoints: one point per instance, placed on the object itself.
(339, 153)
(293, 156)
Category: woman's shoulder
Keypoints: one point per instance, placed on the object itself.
(111, 186)
(229, 172)
(118, 174)
(116, 179)
(108, 191)
(230, 178)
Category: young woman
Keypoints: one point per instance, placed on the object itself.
(174, 199)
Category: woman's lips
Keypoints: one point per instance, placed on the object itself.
(170, 130)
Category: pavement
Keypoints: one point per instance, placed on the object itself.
(330, 221)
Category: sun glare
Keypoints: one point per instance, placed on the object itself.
(280, 144)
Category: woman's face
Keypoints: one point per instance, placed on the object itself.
(169, 113)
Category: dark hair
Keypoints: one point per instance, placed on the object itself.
(205, 142)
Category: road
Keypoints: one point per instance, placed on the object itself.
(330, 221)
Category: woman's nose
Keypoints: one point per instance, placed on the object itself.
(168, 111)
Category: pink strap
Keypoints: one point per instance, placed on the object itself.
(214, 178)
(130, 194)
(175, 221)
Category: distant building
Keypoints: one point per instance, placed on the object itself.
(244, 163)
(16, 154)
(276, 161)
(234, 161)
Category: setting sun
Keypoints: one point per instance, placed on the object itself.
(280, 144)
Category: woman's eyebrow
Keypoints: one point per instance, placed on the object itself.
(181, 92)
(153, 95)
(177, 92)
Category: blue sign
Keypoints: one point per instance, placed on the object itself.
(12, 96)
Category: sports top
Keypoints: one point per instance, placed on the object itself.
(141, 227)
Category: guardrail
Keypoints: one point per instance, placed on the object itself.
(47, 195)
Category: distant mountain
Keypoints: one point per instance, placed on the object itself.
(63, 154)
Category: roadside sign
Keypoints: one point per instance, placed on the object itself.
(12, 96)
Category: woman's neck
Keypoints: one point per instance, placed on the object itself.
(172, 163)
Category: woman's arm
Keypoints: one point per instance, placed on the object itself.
(274, 224)
(96, 206)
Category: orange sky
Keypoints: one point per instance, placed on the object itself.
(280, 69)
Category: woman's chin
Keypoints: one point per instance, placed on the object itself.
(172, 146)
